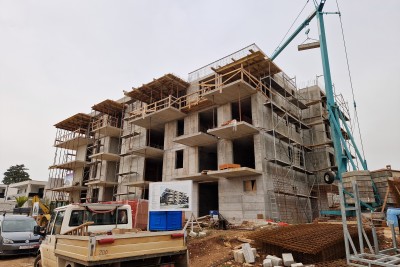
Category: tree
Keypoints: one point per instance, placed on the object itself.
(16, 174)
(21, 200)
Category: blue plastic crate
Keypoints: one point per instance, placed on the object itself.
(174, 220)
(158, 221)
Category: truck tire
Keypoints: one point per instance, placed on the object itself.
(38, 261)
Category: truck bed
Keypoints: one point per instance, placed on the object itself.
(102, 249)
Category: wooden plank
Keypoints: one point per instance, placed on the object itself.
(308, 46)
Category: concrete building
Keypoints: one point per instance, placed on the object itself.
(27, 188)
(253, 143)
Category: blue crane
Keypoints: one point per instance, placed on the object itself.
(336, 117)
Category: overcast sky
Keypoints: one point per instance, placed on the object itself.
(58, 58)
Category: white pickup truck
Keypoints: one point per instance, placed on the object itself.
(102, 235)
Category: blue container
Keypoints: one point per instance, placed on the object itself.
(213, 212)
(391, 216)
(158, 221)
(174, 220)
(165, 220)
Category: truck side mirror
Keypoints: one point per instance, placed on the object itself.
(36, 230)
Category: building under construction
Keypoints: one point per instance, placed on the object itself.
(253, 143)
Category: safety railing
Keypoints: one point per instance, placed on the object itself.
(167, 102)
(105, 121)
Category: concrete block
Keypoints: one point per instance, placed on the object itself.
(267, 263)
(297, 264)
(248, 253)
(276, 261)
(238, 255)
(287, 259)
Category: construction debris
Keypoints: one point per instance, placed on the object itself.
(307, 242)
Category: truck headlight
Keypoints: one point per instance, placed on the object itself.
(7, 241)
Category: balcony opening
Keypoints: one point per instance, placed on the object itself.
(207, 120)
(208, 198)
(179, 159)
(243, 152)
(241, 110)
(208, 159)
(180, 127)
(155, 138)
(153, 170)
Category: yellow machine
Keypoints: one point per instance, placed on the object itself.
(44, 217)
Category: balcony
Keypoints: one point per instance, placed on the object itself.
(234, 130)
(196, 139)
(105, 156)
(107, 126)
(157, 113)
(231, 86)
(197, 177)
(70, 165)
(101, 183)
(147, 152)
(69, 188)
(234, 173)
(73, 140)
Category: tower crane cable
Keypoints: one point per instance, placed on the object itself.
(350, 79)
(291, 26)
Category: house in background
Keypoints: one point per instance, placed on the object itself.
(27, 188)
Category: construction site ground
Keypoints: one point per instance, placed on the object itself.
(215, 249)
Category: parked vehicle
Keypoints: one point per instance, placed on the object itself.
(102, 234)
(16, 235)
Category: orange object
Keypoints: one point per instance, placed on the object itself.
(228, 166)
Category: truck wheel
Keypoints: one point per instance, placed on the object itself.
(38, 261)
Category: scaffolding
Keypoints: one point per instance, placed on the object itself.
(106, 128)
(71, 158)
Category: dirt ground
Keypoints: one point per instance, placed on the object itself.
(213, 250)
(17, 261)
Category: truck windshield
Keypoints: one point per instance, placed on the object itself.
(79, 217)
(18, 225)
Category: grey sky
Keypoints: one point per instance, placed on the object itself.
(58, 58)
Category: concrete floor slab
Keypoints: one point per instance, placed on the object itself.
(234, 130)
(196, 139)
(108, 131)
(235, 172)
(158, 118)
(74, 143)
(148, 152)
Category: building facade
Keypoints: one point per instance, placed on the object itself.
(253, 143)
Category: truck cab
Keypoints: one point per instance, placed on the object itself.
(108, 238)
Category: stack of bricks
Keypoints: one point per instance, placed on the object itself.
(364, 182)
(380, 178)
